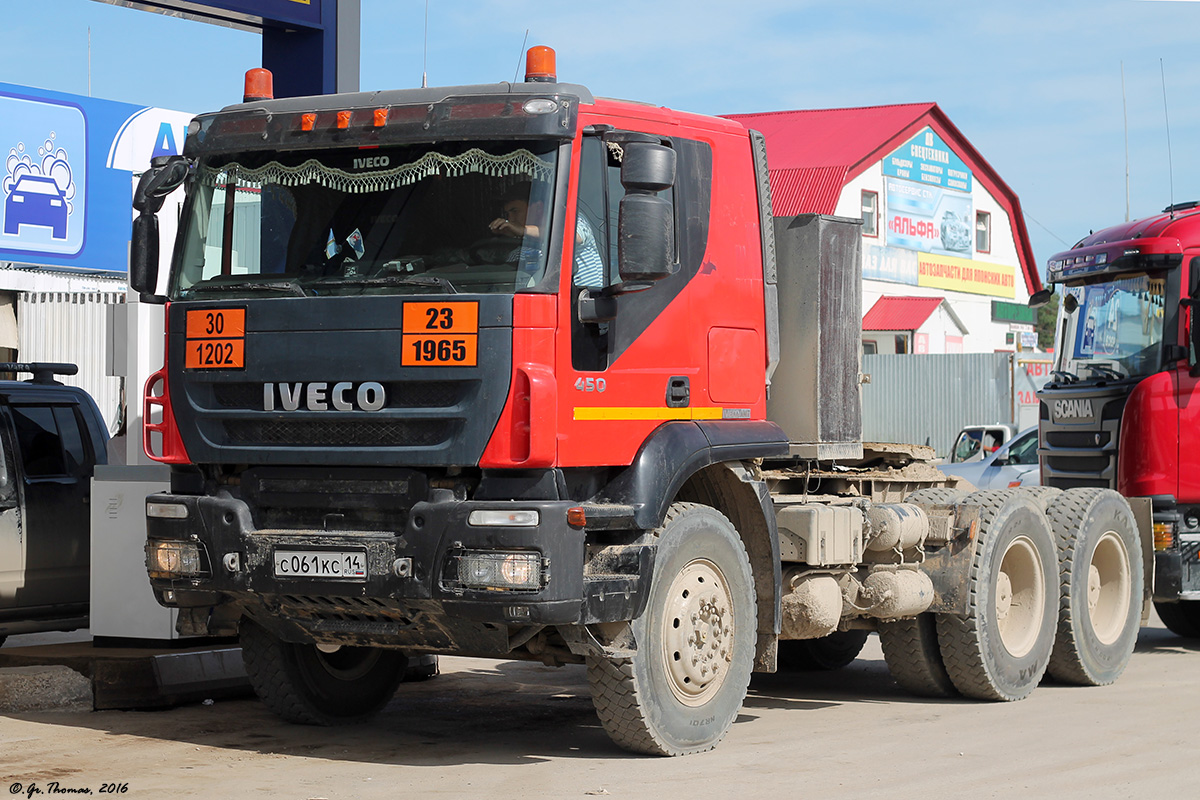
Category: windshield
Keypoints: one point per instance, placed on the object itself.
(447, 218)
(1116, 329)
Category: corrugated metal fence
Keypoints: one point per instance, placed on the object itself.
(71, 327)
(927, 399)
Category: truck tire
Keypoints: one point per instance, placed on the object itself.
(935, 496)
(683, 687)
(834, 651)
(1100, 586)
(1182, 618)
(910, 648)
(1000, 650)
(301, 684)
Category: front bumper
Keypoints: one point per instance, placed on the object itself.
(405, 598)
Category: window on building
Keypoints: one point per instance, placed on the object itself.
(870, 347)
(901, 344)
(983, 232)
(870, 213)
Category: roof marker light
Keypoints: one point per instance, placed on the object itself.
(307, 121)
(540, 65)
(381, 115)
(540, 105)
(343, 119)
(259, 85)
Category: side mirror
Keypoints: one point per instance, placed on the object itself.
(1041, 297)
(646, 222)
(1070, 303)
(165, 175)
(143, 254)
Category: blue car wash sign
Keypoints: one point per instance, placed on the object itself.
(69, 166)
(925, 158)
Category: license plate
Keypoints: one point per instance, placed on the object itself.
(344, 564)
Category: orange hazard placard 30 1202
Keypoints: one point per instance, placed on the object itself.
(440, 334)
(216, 339)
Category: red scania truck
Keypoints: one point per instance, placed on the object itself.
(1121, 410)
(406, 413)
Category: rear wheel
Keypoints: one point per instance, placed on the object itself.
(834, 651)
(1000, 650)
(1182, 618)
(910, 648)
(683, 687)
(304, 684)
(1100, 586)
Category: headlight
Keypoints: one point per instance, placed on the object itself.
(174, 559)
(524, 518)
(166, 510)
(490, 569)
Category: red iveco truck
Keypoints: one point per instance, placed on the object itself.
(1121, 411)
(514, 371)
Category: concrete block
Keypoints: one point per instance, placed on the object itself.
(43, 688)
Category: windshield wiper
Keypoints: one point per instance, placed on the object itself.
(1105, 371)
(395, 280)
(291, 287)
(1062, 376)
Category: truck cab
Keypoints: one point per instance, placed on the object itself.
(51, 438)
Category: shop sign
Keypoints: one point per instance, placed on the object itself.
(965, 275)
(926, 218)
(926, 159)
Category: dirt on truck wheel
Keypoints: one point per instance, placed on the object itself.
(1100, 585)
(683, 687)
(1001, 648)
(300, 683)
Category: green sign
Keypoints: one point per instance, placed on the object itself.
(1012, 312)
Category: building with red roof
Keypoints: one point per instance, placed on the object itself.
(938, 221)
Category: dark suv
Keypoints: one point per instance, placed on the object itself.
(51, 438)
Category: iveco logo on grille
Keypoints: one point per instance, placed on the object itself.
(1073, 409)
(320, 396)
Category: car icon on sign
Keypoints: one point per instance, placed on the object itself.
(36, 200)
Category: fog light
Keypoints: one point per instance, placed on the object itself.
(494, 570)
(172, 559)
(510, 519)
(166, 510)
(1164, 535)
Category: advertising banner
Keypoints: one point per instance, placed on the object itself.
(927, 218)
(925, 158)
(67, 185)
(891, 264)
(966, 275)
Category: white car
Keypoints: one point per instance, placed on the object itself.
(1015, 463)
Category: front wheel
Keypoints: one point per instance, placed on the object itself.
(1182, 618)
(683, 687)
(304, 684)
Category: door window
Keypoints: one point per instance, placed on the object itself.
(49, 439)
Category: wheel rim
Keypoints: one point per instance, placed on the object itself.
(698, 624)
(1109, 585)
(1020, 596)
(347, 663)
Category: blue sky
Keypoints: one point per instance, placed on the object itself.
(1035, 86)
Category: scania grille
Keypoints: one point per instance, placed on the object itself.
(340, 433)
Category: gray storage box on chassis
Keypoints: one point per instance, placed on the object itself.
(815, 395)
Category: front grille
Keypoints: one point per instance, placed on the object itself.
(400, 394)
(1077, 440)
(339, 433)
(344, 609)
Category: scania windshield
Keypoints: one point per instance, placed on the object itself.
(1113, 330)
(446, 218)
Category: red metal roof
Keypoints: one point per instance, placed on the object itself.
(808, 150)
(900, 313)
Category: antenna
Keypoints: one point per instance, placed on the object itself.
(89, 61)
(517, 71)
(1170, 166)
(425, 57)
(1125, 117)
